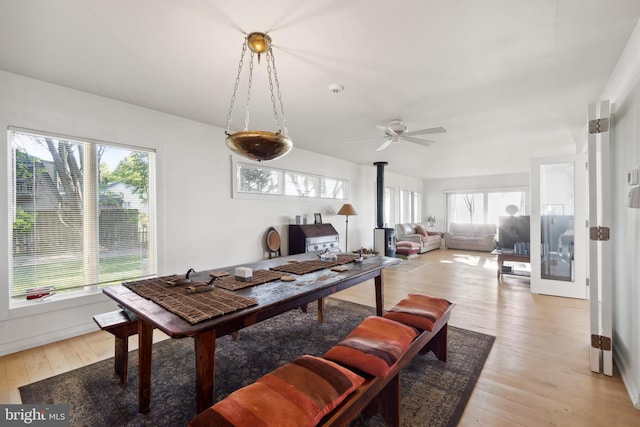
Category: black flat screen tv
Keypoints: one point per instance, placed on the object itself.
(512, 230)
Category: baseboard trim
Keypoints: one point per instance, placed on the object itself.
(48, 338)
(628, 381)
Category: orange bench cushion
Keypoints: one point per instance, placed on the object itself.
(418, 310)
(299, 393)
(374, 346)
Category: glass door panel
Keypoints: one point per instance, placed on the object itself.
(558, 242)
(557, 221)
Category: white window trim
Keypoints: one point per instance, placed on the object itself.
(88, 293)
(485, 192)
(257, 196)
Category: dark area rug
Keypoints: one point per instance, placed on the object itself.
(433, 393)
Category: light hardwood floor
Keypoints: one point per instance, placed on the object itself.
(537, 373)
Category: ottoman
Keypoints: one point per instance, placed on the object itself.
(407, 250)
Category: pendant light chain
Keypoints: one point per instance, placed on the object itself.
(275, 76)
(246, 119)
(273, 98)
(235, 88)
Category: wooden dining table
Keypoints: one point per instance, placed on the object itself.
(272, 298)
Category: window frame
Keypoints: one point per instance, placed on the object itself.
(485, 200)
(236, 165)
(90, 185)
(410, 206)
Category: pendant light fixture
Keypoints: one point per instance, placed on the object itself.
(257, 144)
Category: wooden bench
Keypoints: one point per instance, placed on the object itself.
(381, 394)
(122, 327)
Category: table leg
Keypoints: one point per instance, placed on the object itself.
(379, 284)
(321, 310)
(205, 351)
(145, 346)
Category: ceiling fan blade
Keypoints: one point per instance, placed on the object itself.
(385, 144)
(426, 131)
(388, 131)
(369, 138)
(424, 142)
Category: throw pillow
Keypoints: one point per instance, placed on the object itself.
(420, 230)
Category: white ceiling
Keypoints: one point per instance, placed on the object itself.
(508, 79)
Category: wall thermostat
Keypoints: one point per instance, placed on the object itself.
(632, 177)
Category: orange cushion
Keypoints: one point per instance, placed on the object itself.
(420, 311)
(299, 393)
(374, 346)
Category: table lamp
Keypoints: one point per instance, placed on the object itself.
(347, 210)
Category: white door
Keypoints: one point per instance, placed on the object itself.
(600, 247)
(558, 226)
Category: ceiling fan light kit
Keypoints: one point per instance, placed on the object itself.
(259, 145)
(336, 88)
(395, 128)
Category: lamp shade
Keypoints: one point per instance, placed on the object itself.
(347, 210)
(511, 210)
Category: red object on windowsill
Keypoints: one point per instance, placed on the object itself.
(36, 293)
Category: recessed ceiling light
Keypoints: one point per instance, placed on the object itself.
(336, 88)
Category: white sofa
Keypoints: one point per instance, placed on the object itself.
(473, 237)
(409, 232)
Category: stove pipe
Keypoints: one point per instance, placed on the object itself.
(380, 193)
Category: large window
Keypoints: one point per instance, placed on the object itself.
(389, 206)
(410, 206)
(416, 207)
(81, 213)
(258, 179)
(484, 207)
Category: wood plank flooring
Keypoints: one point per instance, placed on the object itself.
(537, 372)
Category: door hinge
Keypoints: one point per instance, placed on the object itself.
(599, 233)
(587, 281)
(598, 125)
(603, 343)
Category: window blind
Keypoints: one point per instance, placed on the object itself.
(81, 214)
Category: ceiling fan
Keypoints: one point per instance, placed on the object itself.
(396, 131)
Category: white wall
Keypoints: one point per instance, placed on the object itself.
(199, 224)
(623, 90)
(435, 202)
